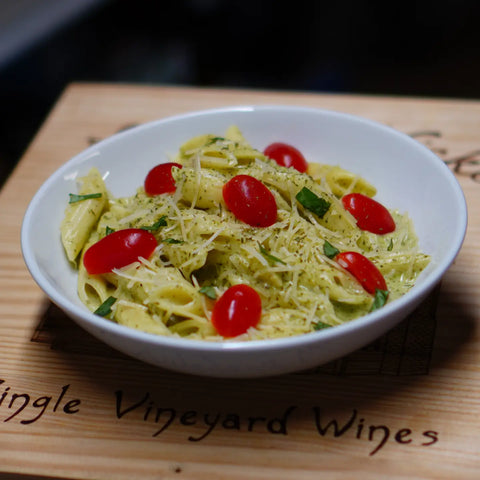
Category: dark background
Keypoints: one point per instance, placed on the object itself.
(423, 48)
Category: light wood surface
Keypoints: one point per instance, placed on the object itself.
(406, 407)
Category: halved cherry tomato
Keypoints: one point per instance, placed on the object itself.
(367, 274)
(238, 309)
(119, 249)
(286, 156)
(371, 215)
(160, 180)
(250, 201)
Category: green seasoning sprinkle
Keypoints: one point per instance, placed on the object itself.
(215, 139)
(105, 308)
(159, 223)
(320, 325)
(380, 299)
(329, 250)
(209, 292)
(108, 230)
(269, 256)
(313, 202)
(74, 198)
(390, 245)
(172, 241)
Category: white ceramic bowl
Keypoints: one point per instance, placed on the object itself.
(408, 177)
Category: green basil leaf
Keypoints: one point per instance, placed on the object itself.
(173, 241)
(161, 222)
(313, 202)
(269, 256)
(106, 307)
(329, 250)
(74, 198)
(209, 292)
(215, 139)
(320, 325)
(108, 230)
(380, 299)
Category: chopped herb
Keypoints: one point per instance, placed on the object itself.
(380, 299)
(209, 292)
(269, 256)
(159, 223)
(329, 250)
(390, 245)
(108, 230)
(215, 139)
(313, 202)
(74, 198)
(320, 325)
(106, 307)
(173, 241)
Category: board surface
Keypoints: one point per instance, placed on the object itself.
(406, 406)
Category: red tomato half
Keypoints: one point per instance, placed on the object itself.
(286, 156)
(160, 180)
(369, 214)
(119, 249)
(250, 201)
(238, 309)
(367, 274)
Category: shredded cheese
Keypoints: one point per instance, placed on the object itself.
(202, 244)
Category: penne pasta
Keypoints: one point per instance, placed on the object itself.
(203, 248)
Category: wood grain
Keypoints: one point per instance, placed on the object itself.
(354, 419)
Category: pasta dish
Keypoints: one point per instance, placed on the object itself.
(226, 241)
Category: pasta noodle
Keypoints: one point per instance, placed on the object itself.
(202, 244)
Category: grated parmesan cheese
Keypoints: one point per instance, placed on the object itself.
(204, 245)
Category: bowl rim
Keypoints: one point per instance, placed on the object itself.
(413, 297)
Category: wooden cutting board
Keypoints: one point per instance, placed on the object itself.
(406, 406)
